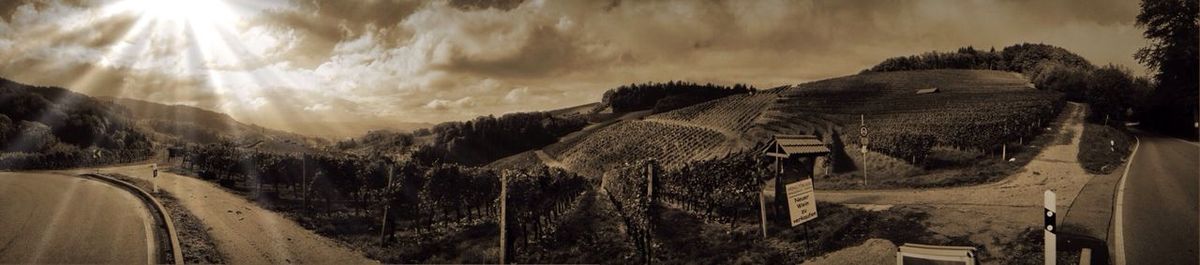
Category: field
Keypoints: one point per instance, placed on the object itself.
(703, 131)
(974, 114)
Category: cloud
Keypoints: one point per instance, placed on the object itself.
(433, 61)
(442, 104)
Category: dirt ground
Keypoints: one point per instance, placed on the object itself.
(993, 214)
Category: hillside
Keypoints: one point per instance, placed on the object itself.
(51, 127)
(176, 124)
(972, 110)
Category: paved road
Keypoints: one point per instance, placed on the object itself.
(54, 218)
(245, 232)
(1160, 202)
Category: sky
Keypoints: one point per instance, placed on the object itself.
(313, 65)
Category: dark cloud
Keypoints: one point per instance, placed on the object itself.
(485, 4)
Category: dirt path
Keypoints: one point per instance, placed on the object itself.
(548, 160)
(1056, 168)
(246, 233)
(993, 213)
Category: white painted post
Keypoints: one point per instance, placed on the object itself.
(1050, 240)
(1004, 152)
(154, 179)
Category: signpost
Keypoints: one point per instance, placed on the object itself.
(802, 205)
(1050, 240)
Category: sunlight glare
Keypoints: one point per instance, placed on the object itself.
(183, 11)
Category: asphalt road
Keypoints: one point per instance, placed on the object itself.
(1160, 202)
(55, 218)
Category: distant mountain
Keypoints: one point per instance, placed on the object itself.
(176, 124)
(341, 130)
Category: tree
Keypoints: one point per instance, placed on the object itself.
(1109, 92)
(1171, 27)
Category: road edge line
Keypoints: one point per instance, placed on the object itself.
(158, 208)
(1118, 223)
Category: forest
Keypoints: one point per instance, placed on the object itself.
(663, 97)
(488, 138)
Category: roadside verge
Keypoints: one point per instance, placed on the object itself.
(171, 254)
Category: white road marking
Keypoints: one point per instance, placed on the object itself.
(1119, 255)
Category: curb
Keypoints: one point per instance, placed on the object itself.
(1118, 242)
(160, 216)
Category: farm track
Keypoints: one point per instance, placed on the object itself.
(995, 212)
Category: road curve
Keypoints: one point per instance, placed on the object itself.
(57, 218)
(245, 232)
(1160, 202)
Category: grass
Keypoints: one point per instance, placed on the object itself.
(953, 168)
(684, 239)
(1029, 249)
(197, 244)
(1103, 148)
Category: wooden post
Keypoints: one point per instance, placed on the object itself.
(648, 239)
(304, 179)
(503, 213)
(762, 208)
(385, 227)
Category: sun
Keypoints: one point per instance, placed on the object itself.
(192, 12)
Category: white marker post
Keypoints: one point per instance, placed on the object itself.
(1050, 239)
(154, 179)
(862, 136)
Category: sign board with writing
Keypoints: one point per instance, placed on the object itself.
(802, 203)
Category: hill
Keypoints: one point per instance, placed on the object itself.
(180, 124)
(972, 110)
(51, 127)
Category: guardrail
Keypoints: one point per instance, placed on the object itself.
(171, 253)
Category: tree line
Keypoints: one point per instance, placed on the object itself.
(663, 97)
(475, 142)
(1110, 90)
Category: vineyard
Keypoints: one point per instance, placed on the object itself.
(339, 193)
(718, 190)
(537, 204)
(734, 113)
(630, 141)
(630, 188)
(975, 110)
